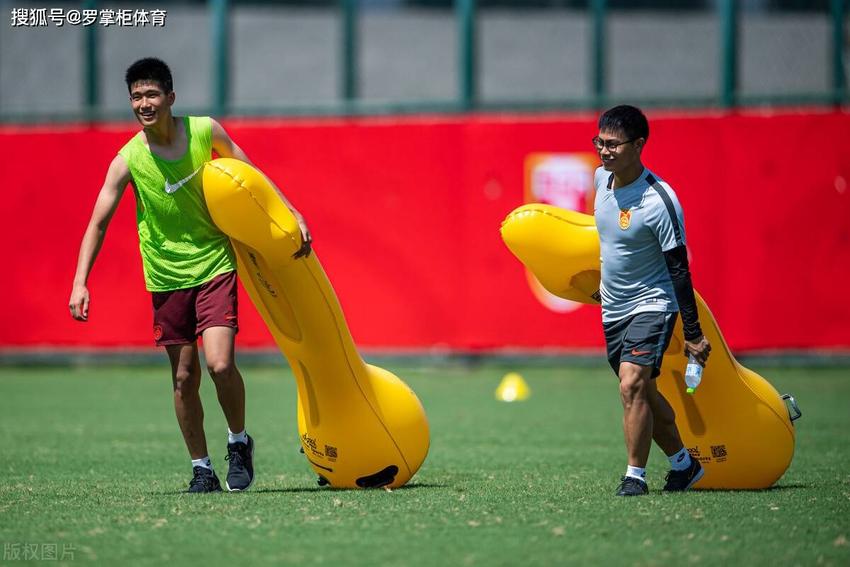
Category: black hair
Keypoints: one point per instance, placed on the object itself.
(150, 69)
(627, 119)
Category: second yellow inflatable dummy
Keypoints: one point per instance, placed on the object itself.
(736, 423)
(360, 426)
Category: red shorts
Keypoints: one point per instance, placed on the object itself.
(180, 316)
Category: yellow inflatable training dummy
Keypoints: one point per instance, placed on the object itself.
(736, 423)
(360, 426)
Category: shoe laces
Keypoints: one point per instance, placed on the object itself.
(684, 473)
(203, 477)
(237, 453)
(632, 480)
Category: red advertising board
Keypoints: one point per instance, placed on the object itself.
(405, 212)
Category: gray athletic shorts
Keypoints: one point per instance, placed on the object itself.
(641, 338)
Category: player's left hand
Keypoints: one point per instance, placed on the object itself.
(700, 348)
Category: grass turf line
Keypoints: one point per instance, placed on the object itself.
(94, 460)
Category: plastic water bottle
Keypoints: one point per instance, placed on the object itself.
(693, 374)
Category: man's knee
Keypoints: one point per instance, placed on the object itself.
(634, 383)
(662, 411)
(664, 418)
(221, 368)
(186, 381)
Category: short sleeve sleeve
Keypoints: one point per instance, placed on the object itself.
(665, 218)
(600, 179)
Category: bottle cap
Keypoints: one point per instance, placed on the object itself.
(691, 390)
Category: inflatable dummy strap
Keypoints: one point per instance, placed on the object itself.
(360, 426)
(736, 423)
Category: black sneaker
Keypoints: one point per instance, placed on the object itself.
(240, 473)
(632, 486)
(679, 481)
(204, 480)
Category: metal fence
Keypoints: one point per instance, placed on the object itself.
(386, 56)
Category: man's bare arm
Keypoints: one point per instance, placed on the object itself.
(117, 177)
(224, 146)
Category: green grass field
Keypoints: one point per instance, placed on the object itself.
(94, 466)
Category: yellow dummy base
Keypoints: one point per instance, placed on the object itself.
(735, 423)
(360, 425)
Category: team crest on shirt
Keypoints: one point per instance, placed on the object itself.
(625, 219)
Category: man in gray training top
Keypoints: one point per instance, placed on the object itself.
(645, 283)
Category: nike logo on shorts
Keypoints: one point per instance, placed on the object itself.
(636, 352)
(173, 187)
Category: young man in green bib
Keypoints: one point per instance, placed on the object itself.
(189, 265)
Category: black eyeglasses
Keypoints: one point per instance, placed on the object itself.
(611, 145)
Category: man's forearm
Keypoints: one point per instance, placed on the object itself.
(677, 265)
(89, 248)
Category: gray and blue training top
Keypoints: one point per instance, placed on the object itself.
(637, 224)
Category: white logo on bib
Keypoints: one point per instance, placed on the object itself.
(171, 188)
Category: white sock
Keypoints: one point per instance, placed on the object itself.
(680, 461)
(636, 472)
(203, 462)
(240, 437)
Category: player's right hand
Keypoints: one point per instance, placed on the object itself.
(79, 303)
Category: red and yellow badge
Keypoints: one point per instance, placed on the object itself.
(625, 219)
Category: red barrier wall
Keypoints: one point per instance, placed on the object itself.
(405, 213)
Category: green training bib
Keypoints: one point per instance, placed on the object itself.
(180, 245)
